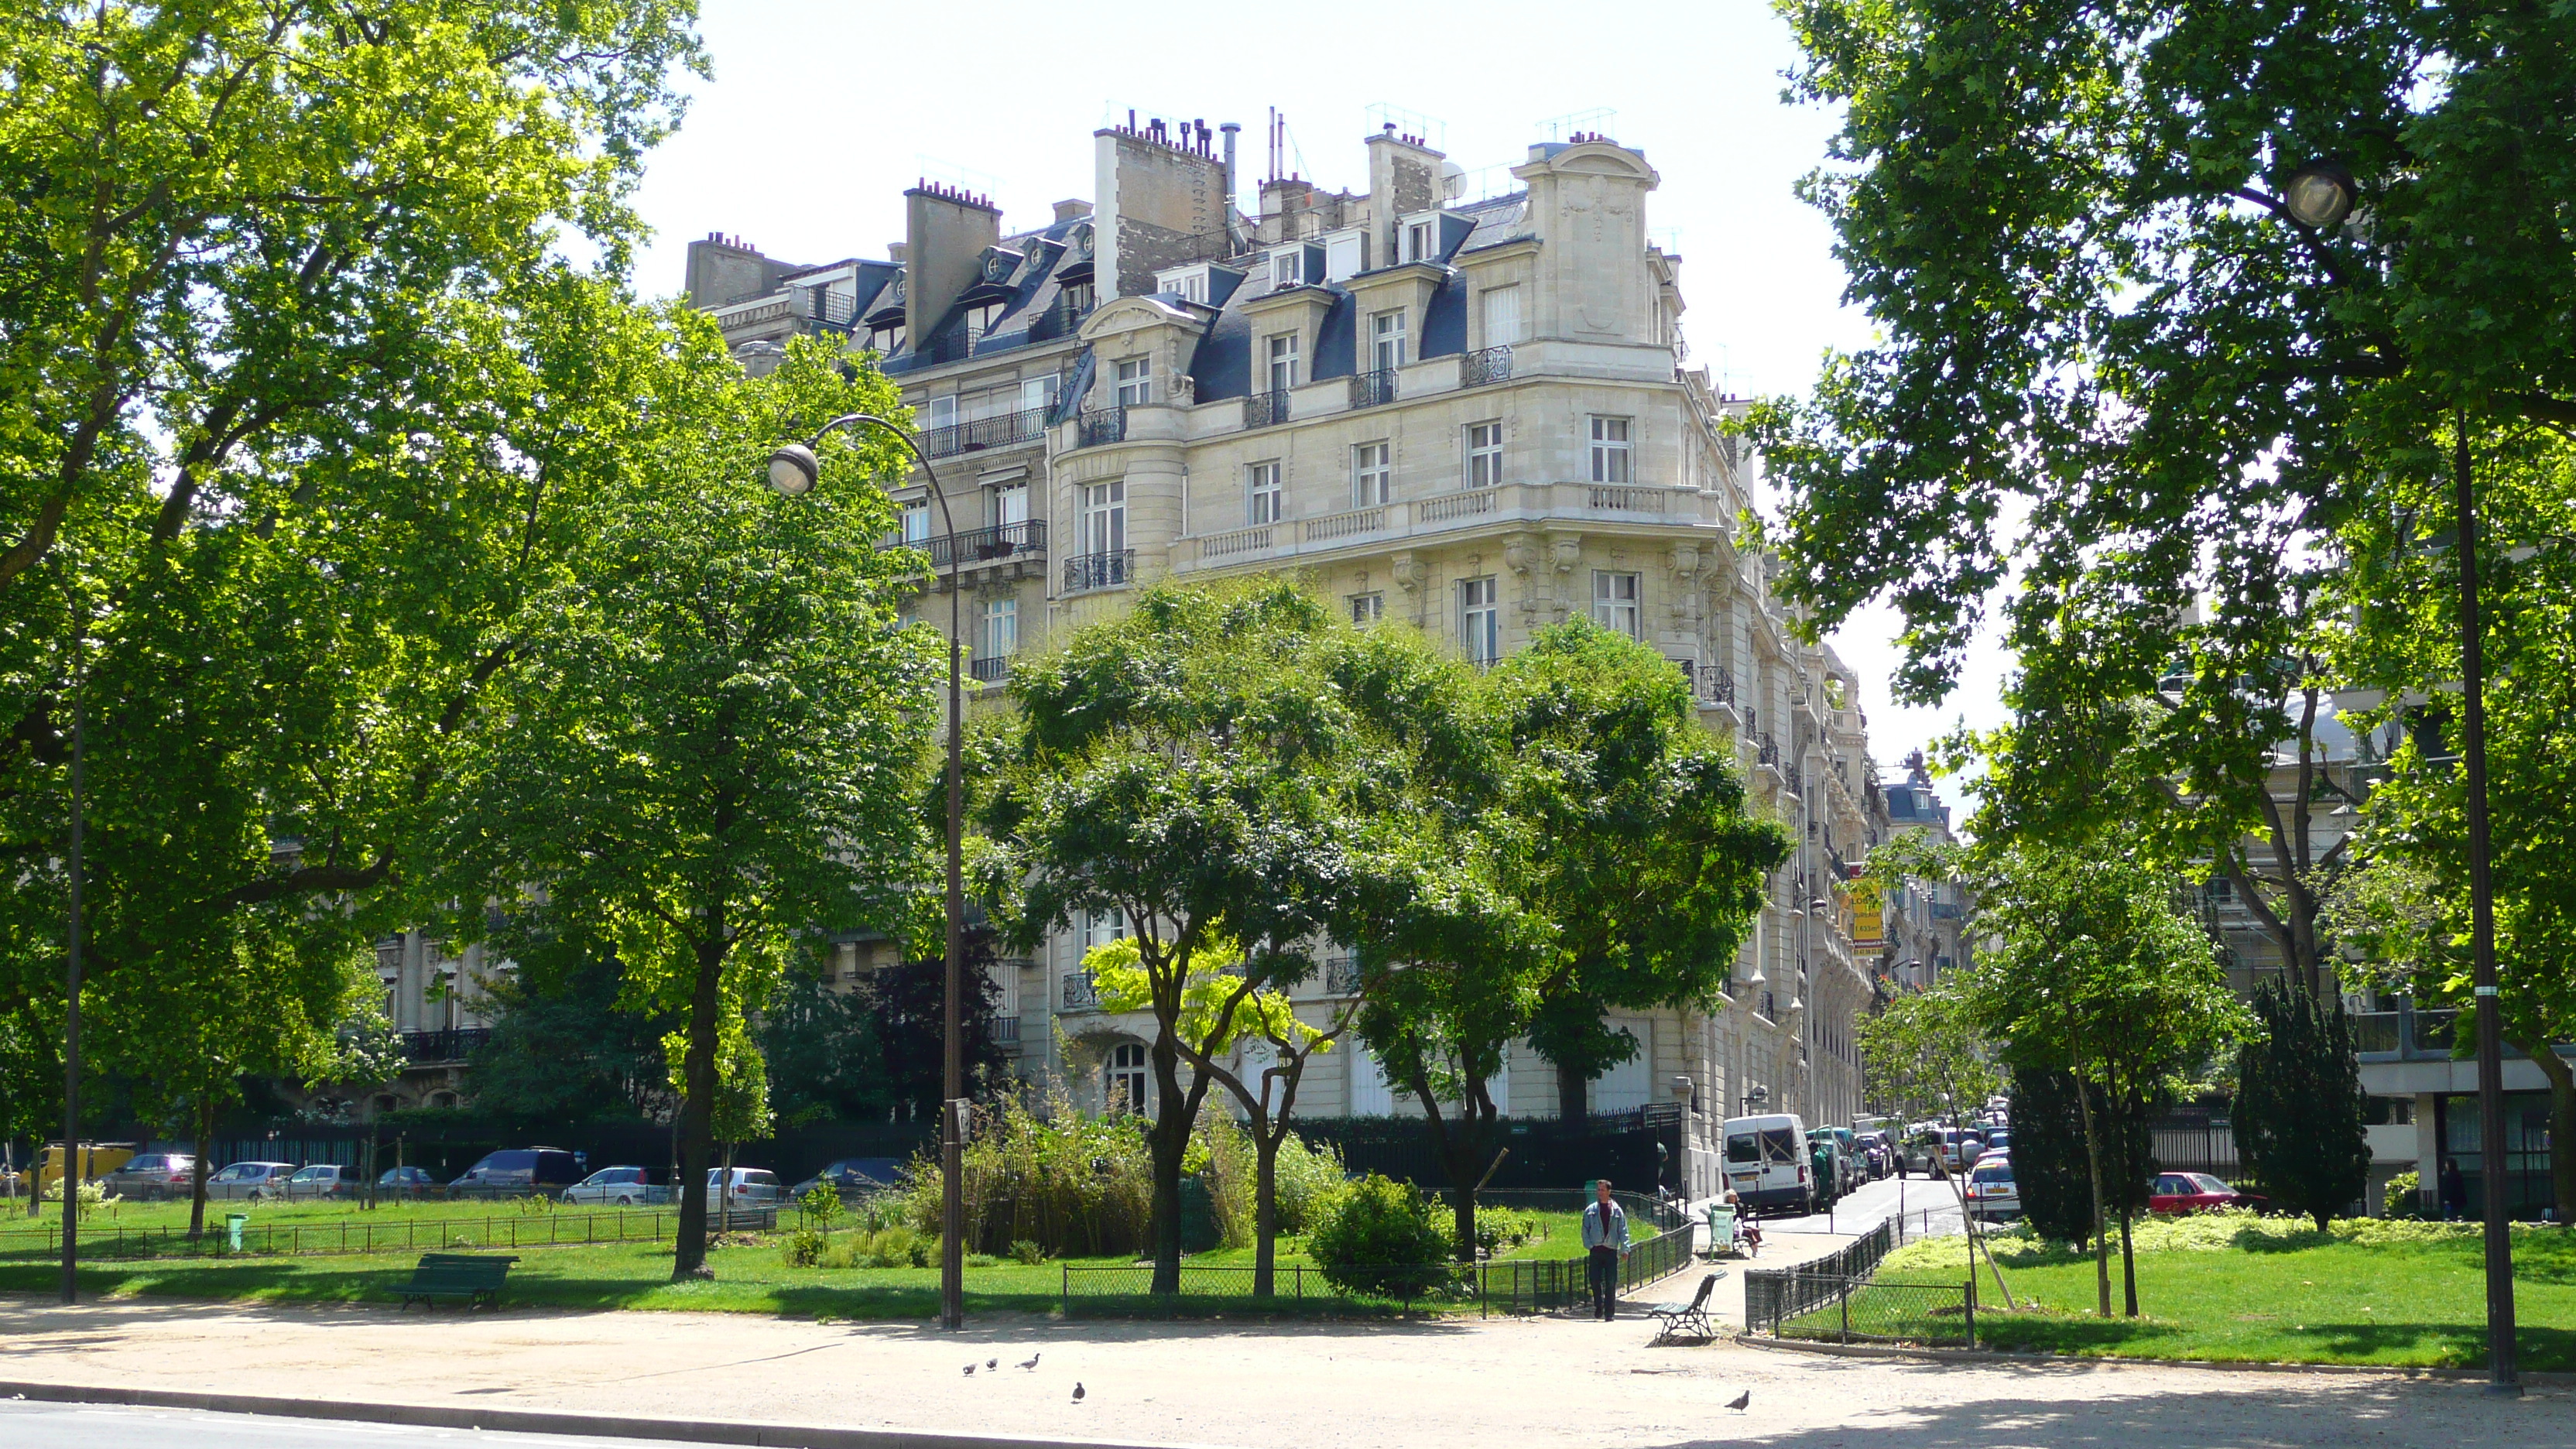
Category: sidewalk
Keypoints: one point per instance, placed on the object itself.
(1547, 1381)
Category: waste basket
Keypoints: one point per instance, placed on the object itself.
(233, 1225)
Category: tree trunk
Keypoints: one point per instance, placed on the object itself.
(1573, 1101)
(697, 1116)
(205, 1125)
(1170, 1141)
(2562, 1127)
(2101, 1234)
(2128, 1265)
(724, 1194)
(1265, 1208)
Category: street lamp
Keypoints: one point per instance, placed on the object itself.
(2319, 195)
(793, 471)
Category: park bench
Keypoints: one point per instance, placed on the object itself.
(1675, 1318)
(474, 1277)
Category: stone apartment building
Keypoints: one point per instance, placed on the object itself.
(1918, 928)
(1473, 414)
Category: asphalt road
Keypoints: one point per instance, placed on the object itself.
(1930, 1209)
(30, 1425)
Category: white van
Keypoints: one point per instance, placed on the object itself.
(1766, 1162)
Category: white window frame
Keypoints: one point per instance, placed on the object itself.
(1011, 504)
(1485, 454)
(1135, 378)
(1104, 516)
(1367, 609)
(1001, 628)
(1421, 240)
(916, 523)
(1126, 1089)
(1613, 449)
(1287, 267)
(1480, 619)
(1265, 496)
(1618, 602)
(939, 412)
(1038, 393)
(1372, 474)
(1282, 350)
(1386, 340)
(1502, 315)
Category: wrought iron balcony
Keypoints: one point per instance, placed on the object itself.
(1342, 975)
(1766, 750)
(1025, 539)
(1078, 992)
(1101, 425)
(990, 668)
(1100, 570)
(1265, 409)
(1025, 426)
(452, 1045)
(1480, 369)
(1060, 319)
(1003, 1031)
(1373, 389)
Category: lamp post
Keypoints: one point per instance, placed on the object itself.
(2318, 196)
(793, 471)
(71, 1001)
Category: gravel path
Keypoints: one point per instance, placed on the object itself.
(1551, 1381)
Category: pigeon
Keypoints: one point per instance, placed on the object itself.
(970, 1371)
(992, 1363)
(1077, 1392)
(1032, 1363)
(1740, 1400)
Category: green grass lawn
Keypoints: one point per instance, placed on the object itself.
(2233, 1287)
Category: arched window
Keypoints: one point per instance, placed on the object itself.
(1126, 1079)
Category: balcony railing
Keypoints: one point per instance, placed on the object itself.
(1101, 425)
(1708, 681)
(452, 1045)
(1025, 539)
(1265, 409)
(1373, 389)
(1025, 426)
(2378, 1031)
(1341, 975)
(1059, 320)
(990, 668)
(1100, 570)
(1079, 994)
(1480, 369)
(1766, 750)
(1003, 1031)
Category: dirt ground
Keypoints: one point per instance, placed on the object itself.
(1549, 1381)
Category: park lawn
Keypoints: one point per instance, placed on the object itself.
(2411, 1295)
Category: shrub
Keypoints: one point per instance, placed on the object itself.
(822, 1203)
(804, 1248)
(982, 1260)
(897, 1246)
(1381, 1239)
(2403, 1197)
(1037, 1169)
(1498, 1228)
(1310, 1181)
(1025, 1252)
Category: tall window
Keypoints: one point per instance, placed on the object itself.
(1372, 477)
(916, 523)
(1502, 316)
(1367, 609)
(1386, 341)
(1480, 619)
(1609, 450)
(1418, 245)
(1101, 927)
(1135, 381)
(942, 413)
(1001, 628)
(1104, 516)
(1287, 267)
(1262, 495)
(1037, 393)
(1126, 1079)
(1283, 362)
(1484, 454)
(1614, 602)
(1077, 298)
(1011, 506)
(979, 323)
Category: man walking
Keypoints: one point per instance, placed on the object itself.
(1605, 1240)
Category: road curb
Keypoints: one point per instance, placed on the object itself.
(553, 1421)
(2026, 1360)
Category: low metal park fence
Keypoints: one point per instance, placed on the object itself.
(1844, 1298)
(365, 1233)
(1546, 1285)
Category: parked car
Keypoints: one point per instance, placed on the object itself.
(405, 1182)
(153, 1176)
(622, 1187)
(752, 1189)
(518, 1170)
(1959, 1148)
(1992, 1197)
(1849, 1171)
(326, 1179)
(1999, 1139)
(250, 1181)
(1767, 1162)
(852, 1177)
(1920, 1150)
(2195, 1192)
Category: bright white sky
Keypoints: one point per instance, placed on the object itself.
(820, 114)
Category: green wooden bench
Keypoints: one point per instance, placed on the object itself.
(474, 1277)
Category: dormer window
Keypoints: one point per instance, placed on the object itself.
(1421, 241)
(1190, 284)
(1287, 267)
(979, 322)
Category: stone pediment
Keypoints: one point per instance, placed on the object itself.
(1129, 315)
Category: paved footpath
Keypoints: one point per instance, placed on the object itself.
(1543, 1381)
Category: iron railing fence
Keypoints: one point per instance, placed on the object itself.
(1265, 409)
(1774, 1295)
(452, 1045)
(1099, 426)
(362, 1233)
(1024, 426)
(1485, 366)
(990, 668)
(1373, 389)
(987, 545)
(1100, 570)
(1877, 1310)
(1059, 319)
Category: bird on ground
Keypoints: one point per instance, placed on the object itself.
(1740, 1400)
(992, 1363)
(1032, 1363)
(970, 1371)
(1077, 1393)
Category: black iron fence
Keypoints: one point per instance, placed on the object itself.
(1775, 1295)
(1100, 570)
(452, 1045)
(1875, 1310)
(1025, 426)
(990, 668)
(1265, 409)
(359, 1233)
(1099, 426)
(1485, 366)
(988, 545)
(1373, 389)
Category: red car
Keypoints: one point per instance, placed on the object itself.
(2193, 1192)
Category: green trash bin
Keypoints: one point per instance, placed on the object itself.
(233, 1225)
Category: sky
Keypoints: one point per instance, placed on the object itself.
(820, 114)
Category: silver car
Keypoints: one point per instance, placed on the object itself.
(254, 1181)
(153, 1176)
(327, 1179)
(619, 1186)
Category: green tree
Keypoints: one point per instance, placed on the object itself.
(2051, 1173)
(2299, 1101)
(565, 1046)
(825, 1062)
(1929, 1055)
(2092, 971)
(287, 391)
(703, 752)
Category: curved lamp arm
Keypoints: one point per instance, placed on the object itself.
(794, 469)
